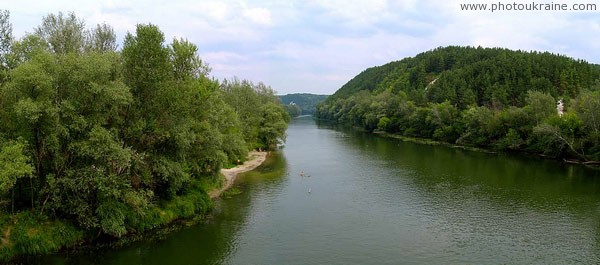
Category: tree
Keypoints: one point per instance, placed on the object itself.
(14, 164)
(559, 135)
(540, 105)
(272, 127)
(30, 110)
(64, 33)
(185, 60)
(146, 70)
(6, 38)
(242, 97)
(259, 111)
(146, 60)
(445, 118)
(102, 39)
(587, 108)
(477, 122)
(25, 49)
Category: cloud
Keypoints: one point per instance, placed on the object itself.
(317, 45)
(261, 16)
(219, 12)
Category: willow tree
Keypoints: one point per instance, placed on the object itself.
(65, 33)
(101, 39)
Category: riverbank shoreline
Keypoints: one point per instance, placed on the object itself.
(255, 159)
(592, 164)
(82, 241)
(432, 142)
(492, 151)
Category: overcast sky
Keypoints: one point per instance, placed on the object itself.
(317, 46)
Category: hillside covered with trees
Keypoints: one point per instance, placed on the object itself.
(101, 141)
(485, 97)
(301, 103)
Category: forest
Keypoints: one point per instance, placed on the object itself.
(491, 98)
(100, 141)
(301, 103)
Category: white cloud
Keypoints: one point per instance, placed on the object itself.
(317, 45)
(224, 56)
(261, 16)
(354, 9)
(218, 11)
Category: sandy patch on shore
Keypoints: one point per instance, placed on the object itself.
(255, 159)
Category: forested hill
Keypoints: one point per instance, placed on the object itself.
(302, 103)
(482, 76)
(489, 97)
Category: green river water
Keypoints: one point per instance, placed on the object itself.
(376, 200)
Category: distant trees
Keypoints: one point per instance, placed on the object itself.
(292, 109)
(305, 103)
(492, 98)
(108, 138)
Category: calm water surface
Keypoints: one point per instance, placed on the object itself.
(375, 200)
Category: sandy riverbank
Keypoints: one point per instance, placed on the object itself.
(255, 159)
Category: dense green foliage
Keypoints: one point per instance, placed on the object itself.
(303, 103)
(263, 119)
(111, 142)
(491, 98)
(293, 110)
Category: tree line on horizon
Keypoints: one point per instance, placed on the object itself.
(301, 103)
(484, 97)
(108, 138)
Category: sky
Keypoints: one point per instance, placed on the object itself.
(316, 46)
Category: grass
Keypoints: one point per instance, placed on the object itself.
(229, 165)
(211, 183)
(194, 202)
(27, 233)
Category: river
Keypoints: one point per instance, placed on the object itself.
(376, 200)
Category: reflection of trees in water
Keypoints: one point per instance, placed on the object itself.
(234, 212)
(504, 178)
